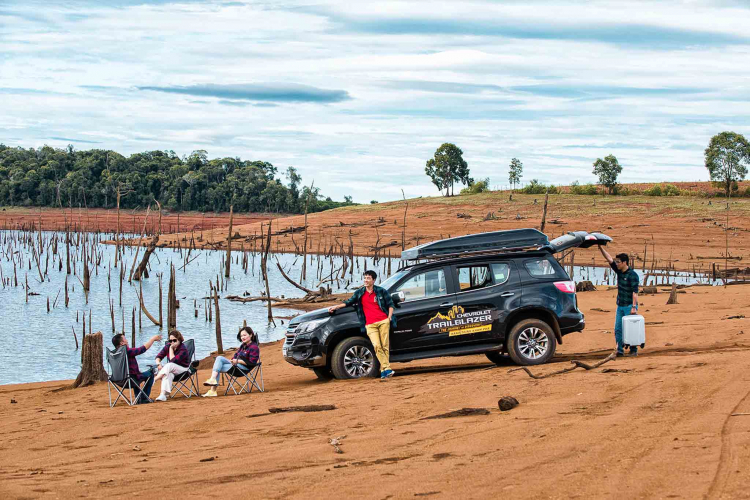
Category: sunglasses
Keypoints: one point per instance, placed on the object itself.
(172, 341)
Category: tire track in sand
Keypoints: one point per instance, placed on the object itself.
(727, 457)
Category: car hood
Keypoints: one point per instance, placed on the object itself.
(310, 316)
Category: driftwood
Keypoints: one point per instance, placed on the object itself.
(672, 295)
(235, 298)
(335, 442)
(92, 369)
(576, 364)
(142, 268)
(585, 286)
(294, 283)
(306, 408)
(463, 412)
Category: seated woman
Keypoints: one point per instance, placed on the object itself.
(245, 358)
(178, 362)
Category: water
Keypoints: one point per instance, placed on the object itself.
(39, 346)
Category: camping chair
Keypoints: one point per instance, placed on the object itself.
(119, 378)
(187, 380)
(236, 375)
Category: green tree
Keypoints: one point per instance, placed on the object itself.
(515, 172)
(448, 167)
(727, 157)
(608, 169)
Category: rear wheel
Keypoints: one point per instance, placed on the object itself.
(531, 342)
(354, 358)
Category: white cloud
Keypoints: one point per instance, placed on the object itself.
(541, 81)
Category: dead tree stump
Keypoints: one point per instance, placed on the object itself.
(92, 369)
(673, 295)
(585, 286)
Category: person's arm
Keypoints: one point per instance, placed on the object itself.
(606, 254)
(181, 357)
(348, 302)
(160, 356)
(151, 341)
(636, 282)
(390, 313)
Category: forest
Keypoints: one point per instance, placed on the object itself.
(53, 177)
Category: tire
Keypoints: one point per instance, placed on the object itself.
(497, 357)
(323, 374)
(531, 342)
(354, 358)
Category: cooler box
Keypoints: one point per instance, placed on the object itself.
(634, 330)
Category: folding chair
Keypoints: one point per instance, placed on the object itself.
(119, 377)
(235, 376)
(187, 380)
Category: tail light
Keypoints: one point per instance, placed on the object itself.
(566, 286)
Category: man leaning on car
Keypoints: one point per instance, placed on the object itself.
(374, 308)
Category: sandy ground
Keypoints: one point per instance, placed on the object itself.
(658, 427)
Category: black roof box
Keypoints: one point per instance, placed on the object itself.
(496, 241)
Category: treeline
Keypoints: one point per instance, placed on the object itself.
(52, 177)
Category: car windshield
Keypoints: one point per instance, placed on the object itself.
(387, 284)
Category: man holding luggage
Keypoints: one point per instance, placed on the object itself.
(627, 294)
(374, 308)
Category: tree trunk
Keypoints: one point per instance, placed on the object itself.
(219, 345)
(172, 301)
(142, 268)
(92, 368)
(229, 243)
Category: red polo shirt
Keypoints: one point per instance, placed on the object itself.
(373, 312)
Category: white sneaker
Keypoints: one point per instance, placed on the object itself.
(210, 394)
(162, 397)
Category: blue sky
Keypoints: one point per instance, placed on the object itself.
(358, 95)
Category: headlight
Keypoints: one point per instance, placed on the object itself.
(309, 326)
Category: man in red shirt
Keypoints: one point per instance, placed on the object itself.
(375, 311)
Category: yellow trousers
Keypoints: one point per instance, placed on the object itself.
(379, 336)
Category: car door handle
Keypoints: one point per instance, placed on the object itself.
(507, 294)
(446, 304)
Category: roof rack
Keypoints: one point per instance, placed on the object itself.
(513, 240)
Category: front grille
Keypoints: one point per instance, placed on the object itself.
(290, 335)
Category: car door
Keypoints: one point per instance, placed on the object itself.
(487, 293)
(427, 293)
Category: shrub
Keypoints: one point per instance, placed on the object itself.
(588, 189)
(373, 202)
(536, 187)
(670, 190)
(654, 190)
(477, 187)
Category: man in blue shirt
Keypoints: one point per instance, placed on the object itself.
(627, 294)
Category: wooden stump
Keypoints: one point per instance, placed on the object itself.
(92, 369)
(673, 295)
(585, 286)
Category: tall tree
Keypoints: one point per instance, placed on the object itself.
(727, 158)
(608, 169)
(515, 172)
(448, 167)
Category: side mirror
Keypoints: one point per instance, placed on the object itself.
(398, 297)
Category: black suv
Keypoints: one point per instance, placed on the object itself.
(491, 293)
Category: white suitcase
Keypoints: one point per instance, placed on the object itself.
(634, 330)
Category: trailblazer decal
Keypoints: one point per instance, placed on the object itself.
(458, 322)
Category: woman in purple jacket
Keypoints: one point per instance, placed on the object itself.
(245, 358)
(178, 362)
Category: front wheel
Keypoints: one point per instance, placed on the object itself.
(354, 358)
(531, 342)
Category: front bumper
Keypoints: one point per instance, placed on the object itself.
(303, 352)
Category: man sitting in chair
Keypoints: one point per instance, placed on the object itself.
(121, 340)
(245, 358)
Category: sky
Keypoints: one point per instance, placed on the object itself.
(358, 95)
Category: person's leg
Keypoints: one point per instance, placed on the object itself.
(384, 328)
(146, 391)
(618, 330)
(373, 333)
(168, 373)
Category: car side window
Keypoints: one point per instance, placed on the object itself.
(424, 285)
(501, 272)
(474, 277)
(539, 268)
